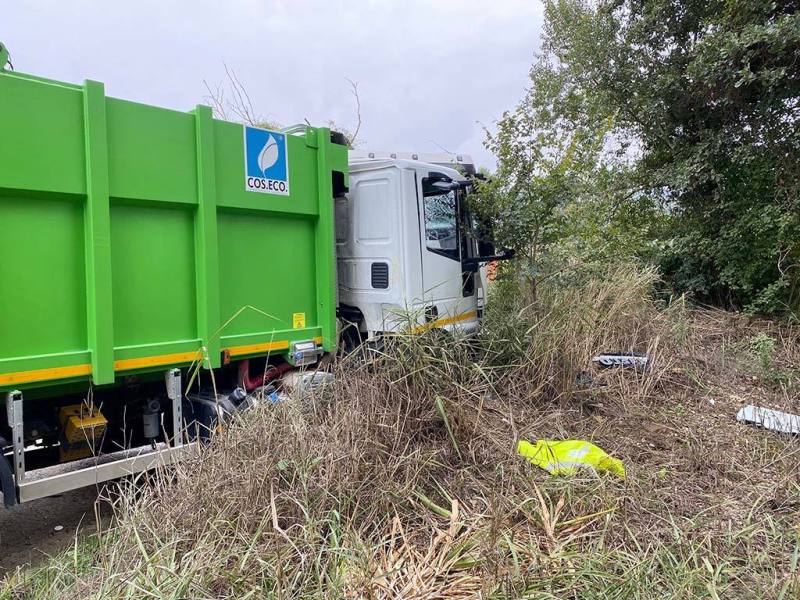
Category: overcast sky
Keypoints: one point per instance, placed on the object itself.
(430, 73)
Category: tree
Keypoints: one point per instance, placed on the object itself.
(562, 193)
(703, 99)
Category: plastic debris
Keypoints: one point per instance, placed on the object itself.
(769, 419)
(565, 457)
(303, 385)
(635, 360)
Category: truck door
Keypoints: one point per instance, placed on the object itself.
(446, 298)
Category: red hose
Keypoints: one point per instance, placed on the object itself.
(272, 372)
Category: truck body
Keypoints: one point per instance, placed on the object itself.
(143, 249)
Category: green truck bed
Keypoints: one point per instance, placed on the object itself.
(133, 238)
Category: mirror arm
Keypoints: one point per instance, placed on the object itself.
(507, 255)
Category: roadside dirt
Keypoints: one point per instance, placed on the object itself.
(28, 531)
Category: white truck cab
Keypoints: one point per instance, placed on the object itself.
(406, 256)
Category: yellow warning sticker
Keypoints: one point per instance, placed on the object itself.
(299, 320)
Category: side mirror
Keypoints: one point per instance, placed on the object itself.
(445, 186)
(485, 248)
(435, 176)
(473, 264)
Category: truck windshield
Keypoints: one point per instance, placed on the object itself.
(441, 230)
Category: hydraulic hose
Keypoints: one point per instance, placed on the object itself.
(271, 372)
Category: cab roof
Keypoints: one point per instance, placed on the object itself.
(442, 159)
(370, 164)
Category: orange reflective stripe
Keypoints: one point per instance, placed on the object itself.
(446, 321)
(45, 374)
(126, 364)
(254, 348)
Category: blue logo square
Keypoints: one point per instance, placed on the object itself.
(266, 161)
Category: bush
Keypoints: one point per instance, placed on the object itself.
(400, 479)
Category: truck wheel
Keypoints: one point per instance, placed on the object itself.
(7, 480)
(350, 339)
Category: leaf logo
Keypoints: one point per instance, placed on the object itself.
(268, 155)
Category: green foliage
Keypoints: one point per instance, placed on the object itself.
(663, 130)
(559, 177)
(762, 346)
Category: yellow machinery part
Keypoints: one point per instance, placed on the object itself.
(82, 428)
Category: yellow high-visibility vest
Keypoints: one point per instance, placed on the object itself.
(564, 457)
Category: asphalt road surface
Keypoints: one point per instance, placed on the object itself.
(28, 531)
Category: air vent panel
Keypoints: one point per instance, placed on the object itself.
(380, 275)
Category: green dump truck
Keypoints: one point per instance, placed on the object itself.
(141, 244)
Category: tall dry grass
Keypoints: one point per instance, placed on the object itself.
(400, 480)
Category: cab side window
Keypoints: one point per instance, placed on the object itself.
(441, 225)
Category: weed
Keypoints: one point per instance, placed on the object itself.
(400, 479)
(762, 346)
